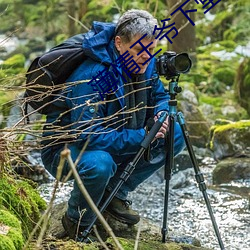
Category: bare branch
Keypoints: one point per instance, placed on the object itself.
(79, 22)
(66, 154)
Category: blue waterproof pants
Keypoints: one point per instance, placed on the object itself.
(99, 171)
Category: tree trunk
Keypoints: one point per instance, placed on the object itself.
(72, 14)
(83, 7)
(185, 40)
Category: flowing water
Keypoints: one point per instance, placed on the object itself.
(187, 212)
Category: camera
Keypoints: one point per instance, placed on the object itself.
(171, 65)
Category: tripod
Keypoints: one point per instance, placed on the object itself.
(173, 90)
(129, 169)
(169, 163)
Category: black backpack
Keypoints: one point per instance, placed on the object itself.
(48, 73)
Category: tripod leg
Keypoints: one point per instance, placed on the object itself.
(129, 168)
(168, 173)
(199, 177)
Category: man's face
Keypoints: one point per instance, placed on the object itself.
(139, 59)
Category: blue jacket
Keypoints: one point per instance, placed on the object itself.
(88, 117)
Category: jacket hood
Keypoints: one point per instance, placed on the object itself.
(98, 42)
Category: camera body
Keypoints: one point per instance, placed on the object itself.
(171, 65)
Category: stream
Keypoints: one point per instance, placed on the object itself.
(187, 212)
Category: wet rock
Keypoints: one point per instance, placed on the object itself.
(197, 125)
(181, 179)
(31, 167)
(231, 169)
(190, 96)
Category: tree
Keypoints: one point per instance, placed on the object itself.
(185, 41)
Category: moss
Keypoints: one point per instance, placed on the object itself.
(128, 244)
(221, 133)
(236, 125)
(16, 237)
(6, 243)
(22, 200)
(10, 220)
(66, 245)
(13, 239)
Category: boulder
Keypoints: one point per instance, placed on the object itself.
(232, 139)
(231, 169)
(197, 125)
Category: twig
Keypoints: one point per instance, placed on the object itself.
(77, 21)
(99, 238)
(66, 154)
(137, 236)
(45, 217)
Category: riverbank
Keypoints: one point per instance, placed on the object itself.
(188, 215)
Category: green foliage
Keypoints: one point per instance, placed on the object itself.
(16, 61)
(214, 101)
(242, 84)
(224, 75)
(218, 104)
(13, 66)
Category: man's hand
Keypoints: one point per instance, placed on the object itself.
(164, 128)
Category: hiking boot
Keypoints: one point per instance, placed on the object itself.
(121, 211)
(75, 231)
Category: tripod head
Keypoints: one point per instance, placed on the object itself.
(174, 89)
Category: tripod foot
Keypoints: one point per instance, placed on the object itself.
(164, 232)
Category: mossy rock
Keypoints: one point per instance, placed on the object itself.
(128, 244)
(22, 200)
(10, 231)
(231, 169)
(232, 139)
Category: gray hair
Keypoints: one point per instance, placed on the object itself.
(136, 22)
